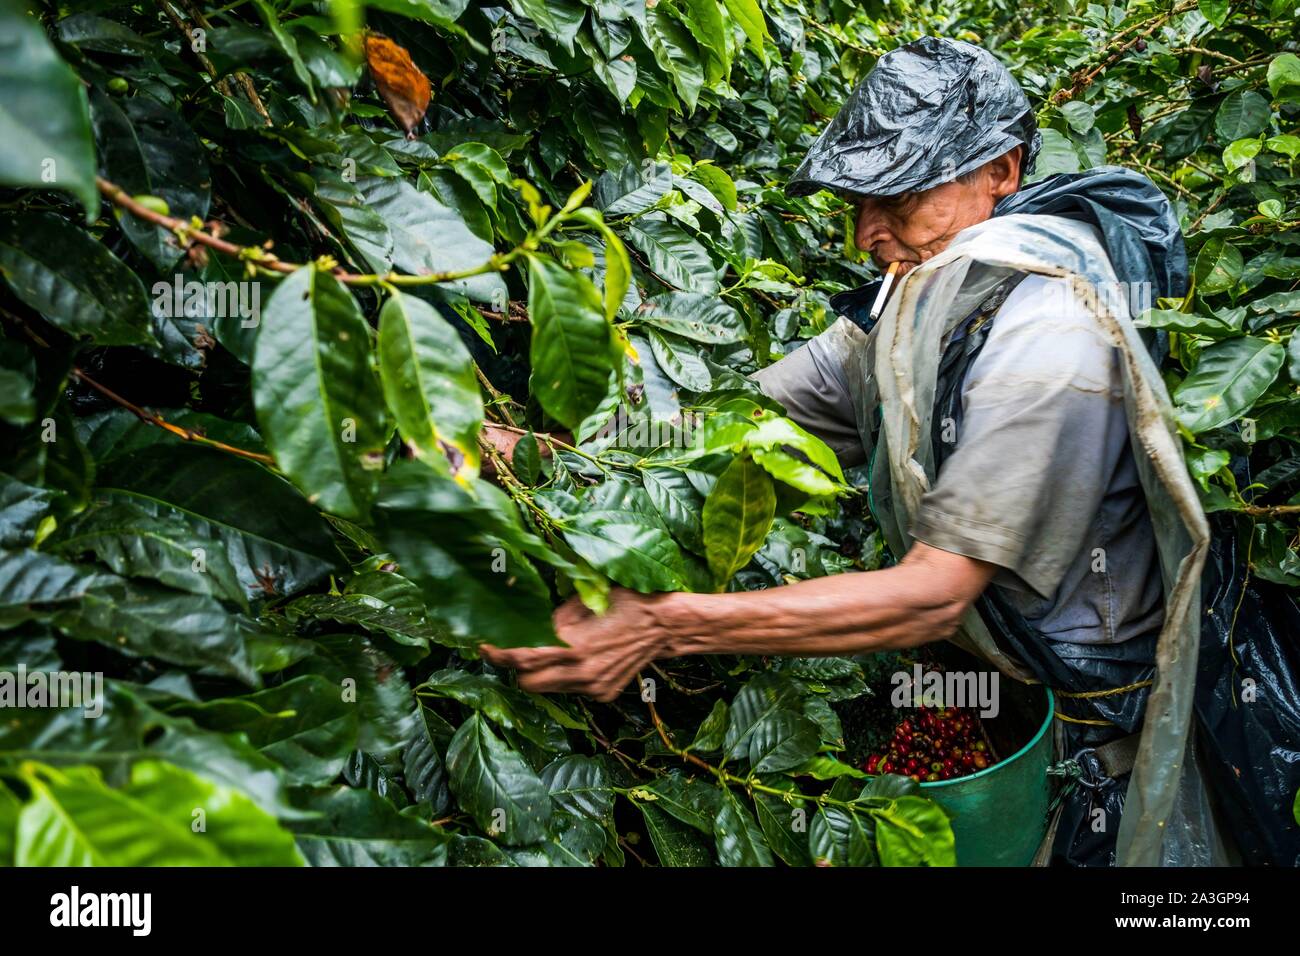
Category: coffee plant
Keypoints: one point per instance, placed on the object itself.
(274, 270)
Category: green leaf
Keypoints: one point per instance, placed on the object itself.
(676, 844)
(709, 736)
(405, 627)
(17, 383)
(1272, 208)
(558, 18)
(737, 515)
(1182, 133)
(285, 41)
(74, 819)
(23, 508)
(442, 13)
(839, 837)
(495, 785)
(130, 730)
(45, 138)
(350, 827)
(716, 180)
(1057, 155)
(1283, 71)
(431, 238)
(766, 727)
(513, 709)
(701, 318)
(579, 785)
(1242, 115)
(429, 382)
(914, 831)
(1241, 152)
(1287, 302)
(148, 149)
(137, 543)
(678, 503)
(1285, 144)
(1227, 380)
(633, 189)
(1218, 267)
(784, 825)
(133, 617)
(821, 767)
(73, 280)
(677, 54)
(619, 532)
(704, 20)
(674, 256)
(277, 543)
(1177, 321)
(572, 348)
(794, 472)
(375, 686)
(739, 840)
(9, 807)
(318, 401)
(618, 274)
(467, 552)
(304, 725)
(526, 459)
(1079, 115)
(1216, 11)
(749, 15)
(687, 799)
(680, 361)
(423, 771)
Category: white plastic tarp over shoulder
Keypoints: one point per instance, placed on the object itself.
(895, 367)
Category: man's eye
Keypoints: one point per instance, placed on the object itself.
(899, 203)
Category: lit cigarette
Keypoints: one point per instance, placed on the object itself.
(883, 295)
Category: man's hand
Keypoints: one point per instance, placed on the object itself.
(603, 654)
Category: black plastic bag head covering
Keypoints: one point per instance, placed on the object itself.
(927, 113)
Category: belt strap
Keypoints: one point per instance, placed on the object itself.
(1118, 757)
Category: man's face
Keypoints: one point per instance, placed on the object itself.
(912, 227)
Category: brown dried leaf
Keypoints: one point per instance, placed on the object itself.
(400, 82)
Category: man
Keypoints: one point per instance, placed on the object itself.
(1037, 482)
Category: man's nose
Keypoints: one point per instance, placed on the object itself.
(871, 229)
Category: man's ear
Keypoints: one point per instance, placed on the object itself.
(1004, 173)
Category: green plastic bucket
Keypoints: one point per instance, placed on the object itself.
(999, 815)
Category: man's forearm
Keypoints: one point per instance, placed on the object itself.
(919, 601)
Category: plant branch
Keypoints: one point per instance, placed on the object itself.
(152, 418)
(261, 258)
(1081, 80)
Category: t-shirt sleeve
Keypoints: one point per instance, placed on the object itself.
(1043, 425)
(810, 383)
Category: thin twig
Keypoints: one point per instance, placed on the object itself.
(243, 79)
(199, 55)
(263, 259)
(152, 418)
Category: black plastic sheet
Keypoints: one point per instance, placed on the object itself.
(1248, 702)
(927, 113)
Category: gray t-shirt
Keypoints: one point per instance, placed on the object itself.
(1042, 481)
